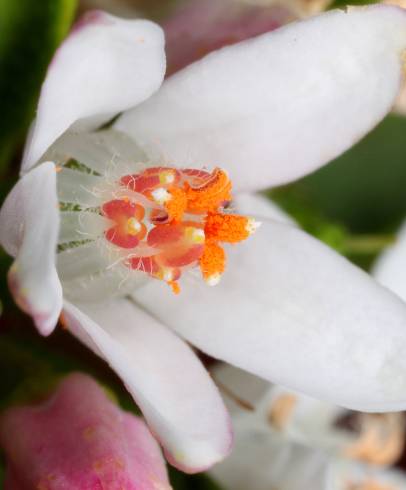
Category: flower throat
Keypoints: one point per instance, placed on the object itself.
(160, 220)
(177, 221)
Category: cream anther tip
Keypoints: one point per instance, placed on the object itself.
(252, 225)
(213, 280)
(161, 195)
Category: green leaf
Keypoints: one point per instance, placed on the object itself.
(181, 481)
(31, 364)
(344, 3)
(364, 189)
(356, 203)
(30, 33)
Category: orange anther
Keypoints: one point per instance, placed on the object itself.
(175, 287)
(231, 228)
(211, 195)
(177, 204)
(212, 263)
(173, 220)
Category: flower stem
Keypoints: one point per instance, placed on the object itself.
(367, 244)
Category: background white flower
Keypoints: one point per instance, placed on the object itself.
(289, 441)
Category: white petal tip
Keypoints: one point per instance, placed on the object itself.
(44, 321)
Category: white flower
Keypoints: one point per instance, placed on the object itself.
(390, 268)
(268, 110)
(289, 441)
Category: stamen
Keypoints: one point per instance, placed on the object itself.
(177, 204)
(123, 240)
(211, 195)
(163, 235)
(212, 263)
(161, 195)
(143, 264)
(181, 256)
(128, 230)
(252, 226)
(214, 279)
(195, 235)
(167, 177)
(175, 287)
(167, 274)
(230, 228)
(133, 226)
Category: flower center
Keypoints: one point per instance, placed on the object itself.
(170, 220)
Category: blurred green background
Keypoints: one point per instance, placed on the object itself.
(355, 204)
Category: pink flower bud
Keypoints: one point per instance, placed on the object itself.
(79, 439)
(202, 26)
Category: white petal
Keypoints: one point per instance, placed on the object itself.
(390, 268)
(260, 207)
(175, 393)
(292, 311)
(83, 260)
(106, 65)
(79, 187)
(281, 105)
(103, 284)
(239, 386)
(82, 225)
(109, 153)
(264, 460)
(95, 271)
(29, 222)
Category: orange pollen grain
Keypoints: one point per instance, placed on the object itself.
(63, 322)
(175, 287)
(211, 195)
(213, 260)
(230, 228)
(176, 206)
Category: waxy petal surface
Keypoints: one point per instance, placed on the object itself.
(274, 108)
(29, 225)
(260, 207)
(172, 388)
(292, 311)
(390, 268)
(106, 65)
